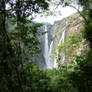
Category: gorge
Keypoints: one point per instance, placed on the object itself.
(52, 37)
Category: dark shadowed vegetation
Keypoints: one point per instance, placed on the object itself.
(19, 42)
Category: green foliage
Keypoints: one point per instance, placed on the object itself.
(87, 32)
(75, 77)
(81, 76)
(59, 81)
(39, 80)
(73, 41)
(14, 76)
(19, 38)
(18, 45)
(22, 8)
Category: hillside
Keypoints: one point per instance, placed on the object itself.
(73, 44)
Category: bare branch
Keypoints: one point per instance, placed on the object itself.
(79, 13)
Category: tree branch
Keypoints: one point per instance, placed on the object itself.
(79, 13)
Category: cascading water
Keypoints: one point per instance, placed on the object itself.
(50, 60)
(46, 47)
(47, 50)
(62, 40)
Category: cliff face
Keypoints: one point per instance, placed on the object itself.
(74, 44)
(73, 24)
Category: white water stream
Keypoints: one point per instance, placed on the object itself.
(50, 62)
(47, 50)
(62, 40)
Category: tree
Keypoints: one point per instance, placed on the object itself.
(13, 42)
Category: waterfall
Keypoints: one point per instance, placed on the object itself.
(47, 49)
(62, 37)
(47, 45)
(62, 40)
(50, 60)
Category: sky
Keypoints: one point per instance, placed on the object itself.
(63, 12)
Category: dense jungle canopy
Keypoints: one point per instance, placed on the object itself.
(20, 47)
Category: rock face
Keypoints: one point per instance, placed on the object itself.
(67, 38)
(61, 41)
